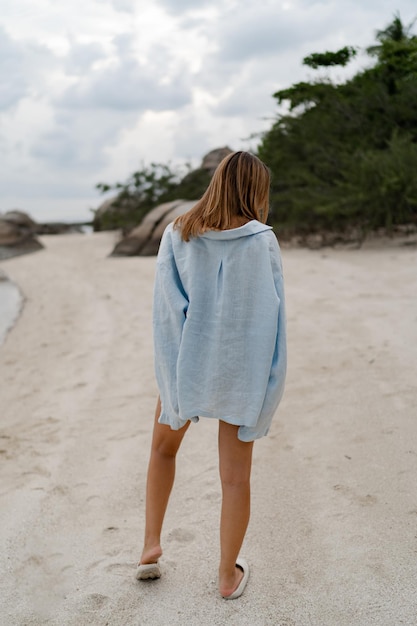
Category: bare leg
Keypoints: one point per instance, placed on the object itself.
(235, 462)
(161, 474)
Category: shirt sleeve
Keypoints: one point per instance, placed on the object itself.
(276, 382)
(169, 313)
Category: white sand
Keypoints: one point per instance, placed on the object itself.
(332, 539)
(10, 305)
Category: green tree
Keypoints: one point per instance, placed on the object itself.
(327, 59)
(344, 155)
(136, 196)
(145, 189)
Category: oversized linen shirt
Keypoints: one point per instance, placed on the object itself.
(219, 328)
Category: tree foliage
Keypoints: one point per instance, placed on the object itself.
(345, 154)
(136, 196)
(145, 189)
(327, 59)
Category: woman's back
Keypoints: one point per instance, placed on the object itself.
(229, 294)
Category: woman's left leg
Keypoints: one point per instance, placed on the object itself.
(161, 474)
(235, 462)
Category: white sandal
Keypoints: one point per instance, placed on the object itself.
(148, 571)
(243, 565)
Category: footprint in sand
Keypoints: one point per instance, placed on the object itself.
(95, 601)
(367, 500)
(94, 564)
(37, 471)
(90, 498)
(34, 559)
(59, 490)
(121, 569)
(181, 535)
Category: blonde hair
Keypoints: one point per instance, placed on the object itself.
(239, 188)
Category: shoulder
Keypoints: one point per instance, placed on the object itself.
(263, 233)
(169, 230)
(274, 250)
(169, 236)
(268, 237)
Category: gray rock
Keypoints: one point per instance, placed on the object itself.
(107, 214)
(144, 240)
(17, 234)
(213, 158)
(152, 246)
(20, 218)
(104, 208)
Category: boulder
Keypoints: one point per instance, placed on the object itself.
(17, 234)
(20, 218)
(111, 215)
(144, 240)
(105, 208)
(213, 158)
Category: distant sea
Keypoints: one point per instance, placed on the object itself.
(10, 304)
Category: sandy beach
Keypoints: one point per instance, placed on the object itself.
(333, 534)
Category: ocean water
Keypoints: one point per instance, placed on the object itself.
(10, 305)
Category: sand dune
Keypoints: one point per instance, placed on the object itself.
(332, 539)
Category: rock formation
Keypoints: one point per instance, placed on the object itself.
(144, 239)
(213, 158)
(105, 208)
(17, 234)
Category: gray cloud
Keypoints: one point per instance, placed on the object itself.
(268, 30)
(56, 146)
(129, 85)
(13, 82)
(257, 34)
(82, 56)
(177, 7)
(124, 6)
(22, 69)
(79, 140)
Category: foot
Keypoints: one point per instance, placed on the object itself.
(150, 555)
(151, 571)
(233, 587)
(148, 566)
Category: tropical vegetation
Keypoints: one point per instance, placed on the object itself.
(342, 155)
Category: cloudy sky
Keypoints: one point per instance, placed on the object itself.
(91, 89)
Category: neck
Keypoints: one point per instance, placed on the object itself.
(238, 221)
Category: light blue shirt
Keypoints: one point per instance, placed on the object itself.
(219, 328)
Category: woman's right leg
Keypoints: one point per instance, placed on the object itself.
(235, 463)
(160, 478)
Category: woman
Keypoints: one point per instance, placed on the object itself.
(220, 349)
